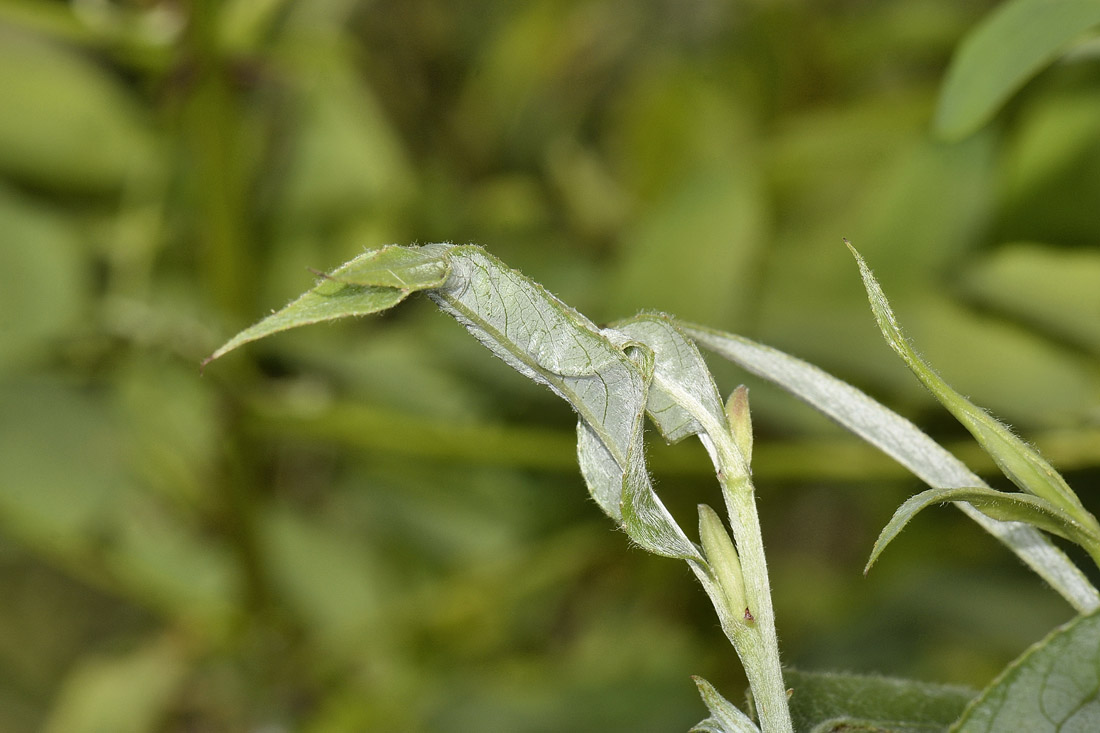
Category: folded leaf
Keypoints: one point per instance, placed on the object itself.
(550, 343)
(905, 443)
(405, 268)
(680, 378)
(1006, 507)
(1021, 463)
(602, 376)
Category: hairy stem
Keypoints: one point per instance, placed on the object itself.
(753, 633)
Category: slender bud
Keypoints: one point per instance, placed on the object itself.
(737, 412)
(722, 557)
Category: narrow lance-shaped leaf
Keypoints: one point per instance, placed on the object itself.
(1006, 507)
(1021, 463)
(724, 715)
(902, 441)
(372, 282)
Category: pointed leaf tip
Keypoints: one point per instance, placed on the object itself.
(999, 505)
(725, 716)
(372, 282)
(1021, 463)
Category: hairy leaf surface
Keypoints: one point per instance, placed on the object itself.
(822, 702)
(902, 441)
(724, 715)
(1053, 686)
(1021, 463)
(1006, 507)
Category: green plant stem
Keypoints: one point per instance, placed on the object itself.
(750, 629)
(754, 638)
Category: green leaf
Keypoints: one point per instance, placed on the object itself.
(1053, 686)
(1021, 463)
(46, 292)
(603, 374)
(127, 693)
(404, 268)
(1006, 507)
(552, 344)
(725, 717)
(1049, 288)
(66, 100)
(372, 282)
(905, 443)
(822, 702)
(1011, 45)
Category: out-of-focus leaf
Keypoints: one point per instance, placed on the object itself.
(128, 693)
(1050, 159)
(725, 717)
(822, 702)
(524, 92)
(42, 287)
(64, 481)
(327, 579)
(1020, 462)
(244, 23)
(905, 443)
(1012, 44)
(999, 505)
(965, 343)
(920, 208)
(65, 124)
(1051, 687)
(168, 566)
(334, 297)
(927, 208)
(170, 420)
(69, 495)
(1051, 288)
(695, 252)
(346, 159)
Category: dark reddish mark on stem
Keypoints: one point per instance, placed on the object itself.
(748, 615)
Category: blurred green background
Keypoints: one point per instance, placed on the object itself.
(375, 526)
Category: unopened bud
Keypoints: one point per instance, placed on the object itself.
(722, 558)
(737, 412)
